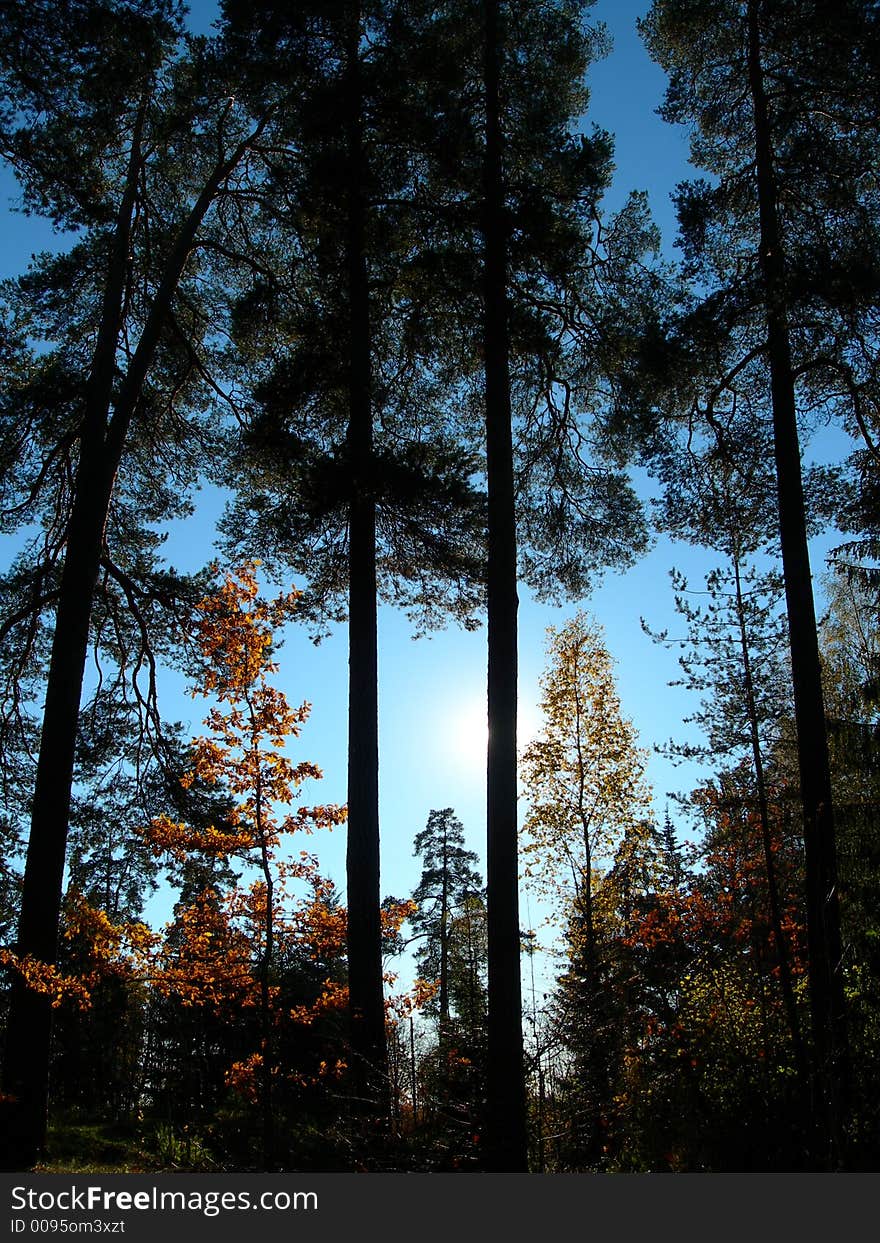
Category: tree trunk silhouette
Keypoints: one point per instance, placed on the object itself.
(506, 1139)
(823, 919)
(366, 1001)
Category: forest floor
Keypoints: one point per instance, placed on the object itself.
(114, 1148)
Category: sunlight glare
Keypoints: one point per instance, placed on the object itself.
(466, 733)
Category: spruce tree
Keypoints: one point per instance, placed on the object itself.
(447, 883)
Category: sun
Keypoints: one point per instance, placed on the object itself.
(465, 732)
(466, 735)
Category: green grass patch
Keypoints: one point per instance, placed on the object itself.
(87, 1147)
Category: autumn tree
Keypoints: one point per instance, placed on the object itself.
(584, 773)
(584, 779)
(243, 752)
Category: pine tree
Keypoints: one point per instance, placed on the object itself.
(782, 248)
(734, 658)
(448, 882)
(449, 930)
(449, 237)
(115, 130)
(518, 191)
(350, 475)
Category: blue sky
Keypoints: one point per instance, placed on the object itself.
(432, 691)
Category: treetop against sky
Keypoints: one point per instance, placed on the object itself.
(432, 692)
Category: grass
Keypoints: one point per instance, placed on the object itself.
(88, 1147)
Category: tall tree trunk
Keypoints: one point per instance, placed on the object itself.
(366, 1001)
(827, 1005)
(595, 1067)
(412, 1072)
(26, 1062)
(102, 441)
(507, 1145)
(267, 1043)
(29, 1030)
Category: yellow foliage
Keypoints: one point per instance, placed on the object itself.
(584, 775)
